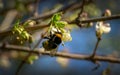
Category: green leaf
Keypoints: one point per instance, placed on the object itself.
(19, 31)
(61, 24)
(56, 17)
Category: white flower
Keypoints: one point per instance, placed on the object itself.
(53, 30)
(106, 28)
(102, 27)
(66, 36)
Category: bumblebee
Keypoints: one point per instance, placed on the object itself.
(52, 42)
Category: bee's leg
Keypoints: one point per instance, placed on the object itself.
(46, 37)
(53, 52)
(53, 47)
(63, 43)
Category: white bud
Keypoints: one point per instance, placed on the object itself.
(107, 12)
(102, 27)
(106, 28)
(66, 37)
(31, 22)
(53, 30)
(99, 27)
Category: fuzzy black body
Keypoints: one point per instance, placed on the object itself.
(53, 42)
(56, 38)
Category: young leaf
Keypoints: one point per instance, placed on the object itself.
(56, 17)
(61, 24)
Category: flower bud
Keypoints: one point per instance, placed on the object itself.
(101, 28)
(31, 22)
(66, 37)
(107, 13)
(106, 28)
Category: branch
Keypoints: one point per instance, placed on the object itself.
(70, 7)
(3, 11)
(36, 5)
(7, 32)
(9, 18)
(79, 14)
(96, 46)
(59, 54)
(32, 28)
(97, 19)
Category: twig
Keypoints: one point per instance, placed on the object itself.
(32, 28)
(98, 19)
(70, 7)
(9, 18)
(81, 11)
(59, 54)
(7, 32)
(96, 46)
(14, 8)
(36, 8)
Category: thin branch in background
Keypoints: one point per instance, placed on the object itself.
(3, 11)
(9, 18)
(36, 8)
(102, 19)
(97, 19)
(70, 7)
(26, 58)
(81, 11)
(36, 27)
(38, 51)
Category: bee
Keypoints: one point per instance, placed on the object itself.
(52, 42)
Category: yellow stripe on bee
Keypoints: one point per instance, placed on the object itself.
(59, 35)
(46, 42)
